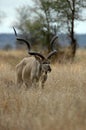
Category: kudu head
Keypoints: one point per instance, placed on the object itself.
(44, 61)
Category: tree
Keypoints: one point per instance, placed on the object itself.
(47, 17)
(40, 21)
(70, 11)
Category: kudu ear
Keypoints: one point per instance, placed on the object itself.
(38, 58)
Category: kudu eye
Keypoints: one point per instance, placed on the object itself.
(46, 62)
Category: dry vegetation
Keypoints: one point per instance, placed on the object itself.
(60, 106)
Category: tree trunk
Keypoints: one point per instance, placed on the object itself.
(73, 40)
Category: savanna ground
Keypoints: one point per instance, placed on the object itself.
(61, 105)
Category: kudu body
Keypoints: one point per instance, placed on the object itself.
(34, 68)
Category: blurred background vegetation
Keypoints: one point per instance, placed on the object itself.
(48, 18)
(40, 21)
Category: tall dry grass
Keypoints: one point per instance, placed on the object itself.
(60, 106)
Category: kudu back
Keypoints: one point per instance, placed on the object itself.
(35, 68)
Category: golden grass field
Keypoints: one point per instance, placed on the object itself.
(61, 105)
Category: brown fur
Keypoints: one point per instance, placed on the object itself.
(29, 71)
